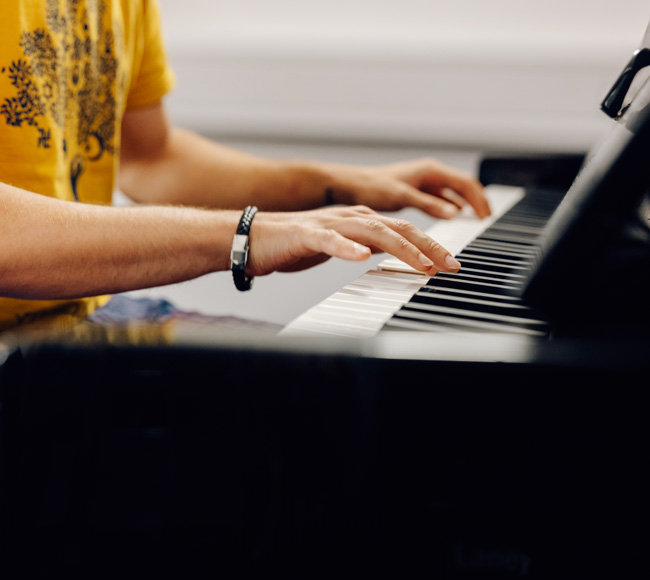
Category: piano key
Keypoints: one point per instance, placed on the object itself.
(430, 321)
(517, 244)
(494, 256)
(515, 313)
(485, 267)
(513, 306)
(519, 229)
(458, 292)
(464, 284)
(508, 249)
(469, 311)
(505, 237)
(523, 256)
(467, 274)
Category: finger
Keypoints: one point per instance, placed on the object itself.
(332, 243)
(451, 196)
(403, 240)
(473, 192)
(463, 184)
(434, 206)
(441, 257)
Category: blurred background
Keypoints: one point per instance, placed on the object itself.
(372, 82)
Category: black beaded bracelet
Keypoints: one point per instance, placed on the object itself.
(239, 250)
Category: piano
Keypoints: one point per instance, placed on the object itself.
(486, 425)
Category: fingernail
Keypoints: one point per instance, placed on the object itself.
(425, 261)
(452, 263)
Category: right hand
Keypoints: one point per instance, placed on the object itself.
(292, 241)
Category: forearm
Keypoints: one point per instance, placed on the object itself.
(59, 250)
(193, 171)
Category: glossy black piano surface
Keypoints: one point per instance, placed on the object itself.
(160, 452)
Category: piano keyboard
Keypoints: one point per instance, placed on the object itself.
(495, 254)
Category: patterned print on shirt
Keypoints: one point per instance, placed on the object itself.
(68, 77)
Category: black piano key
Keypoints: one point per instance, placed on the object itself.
(490, 268)
(508, 237)
(482, 293)
(518, 312)
(529, 253)
(458, 321)
(483, 270)
(466, 311)
(495, 256)
(494, 239)
(471, 274)
(500, 252)
(523, 219)
(512, 228)
(474, 285)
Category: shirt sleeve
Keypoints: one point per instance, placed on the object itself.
(152, 77)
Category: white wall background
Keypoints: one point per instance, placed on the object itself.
(374, 81)
(478, 73)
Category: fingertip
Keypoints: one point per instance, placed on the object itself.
(452, 264)
(448, 211)
(486, 210)
(361, 252)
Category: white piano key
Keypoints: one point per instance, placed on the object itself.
(361, 308)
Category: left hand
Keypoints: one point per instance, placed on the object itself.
(426, 184)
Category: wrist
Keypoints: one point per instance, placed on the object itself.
(240, 248)
(317, 184)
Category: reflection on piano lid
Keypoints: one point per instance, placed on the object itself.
(547, 263)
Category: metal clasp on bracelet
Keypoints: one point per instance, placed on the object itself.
(239, 251)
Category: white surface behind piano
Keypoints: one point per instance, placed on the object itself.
(361, 308)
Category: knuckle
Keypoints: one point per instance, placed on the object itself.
(401, 225)
(404, 244)
(373, 225)
(433, 247)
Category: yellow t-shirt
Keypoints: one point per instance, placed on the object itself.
(68, 71)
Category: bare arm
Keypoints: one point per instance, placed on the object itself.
(163, 164)
(55, 249)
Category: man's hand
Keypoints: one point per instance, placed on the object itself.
(425, 184)
(298, 240)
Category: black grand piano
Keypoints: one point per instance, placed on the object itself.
(431, 450)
